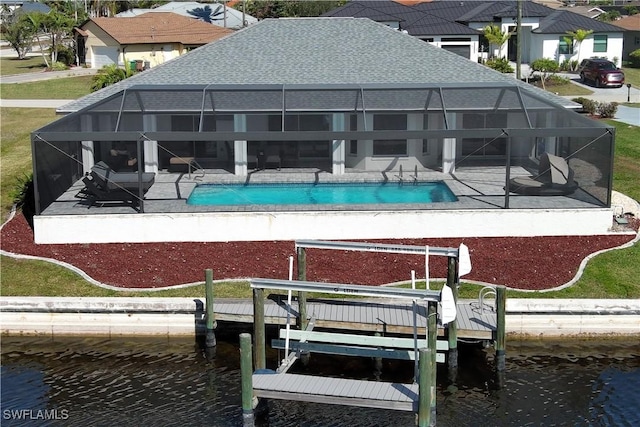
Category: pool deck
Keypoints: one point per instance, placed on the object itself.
(475, 187)
(478, 212)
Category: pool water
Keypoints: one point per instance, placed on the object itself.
(321, 193)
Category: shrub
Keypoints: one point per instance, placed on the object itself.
(500, 64)
(108, 75)
(569, 65)
(58, 66)
(634, 58)
(558, 80)
(607, 110)
(67, 55)
(23, 196)
(588, 106)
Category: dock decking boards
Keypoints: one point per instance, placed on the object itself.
(473, 322)
(338, 391)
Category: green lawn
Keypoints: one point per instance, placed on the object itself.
(62, 88)
(10, 66)
(17, 124)
(632, 75)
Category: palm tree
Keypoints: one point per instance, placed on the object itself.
(496, 36)
(578, 36)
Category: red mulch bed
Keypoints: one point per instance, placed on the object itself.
(517, 262)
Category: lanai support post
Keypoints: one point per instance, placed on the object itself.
(452, 327)
(259, 329)
(501, 335)
(210, 341)
(246, 372)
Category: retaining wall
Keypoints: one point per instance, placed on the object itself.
(184, 316)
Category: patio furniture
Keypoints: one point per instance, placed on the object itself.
(555, 178)
(108, 179)
(103, 184)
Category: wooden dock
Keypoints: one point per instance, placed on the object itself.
(341, 391)
(364, 315)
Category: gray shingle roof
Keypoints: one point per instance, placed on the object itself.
(561, 21)
(314, 51)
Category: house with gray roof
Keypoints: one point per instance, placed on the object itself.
(319, 99)
(458, 26)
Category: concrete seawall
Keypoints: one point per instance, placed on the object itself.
(184, 316)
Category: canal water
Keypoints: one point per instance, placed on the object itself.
(171, 382)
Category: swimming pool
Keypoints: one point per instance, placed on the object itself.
(321, 193)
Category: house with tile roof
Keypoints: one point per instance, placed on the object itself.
(317, 100)
(151, 39)
(458, 26)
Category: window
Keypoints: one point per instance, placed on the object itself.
(484, 146)
(566, 46)
(425, 142)
(599, 43)
(353, 125)
(390, 147)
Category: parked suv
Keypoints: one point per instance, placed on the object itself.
(601, 72)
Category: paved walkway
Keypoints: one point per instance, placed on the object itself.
(34, 103)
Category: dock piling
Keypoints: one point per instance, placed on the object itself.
(210, 316)
(246, 371)
(259, 329)
(501, 299)
(432, 323)
(426, 388)
(303, 320)
(452, 327)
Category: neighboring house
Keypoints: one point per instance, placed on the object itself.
(631, 27)
(591, 12)
(153, 38)
(458, 26)
(337, 98)
(218, 14)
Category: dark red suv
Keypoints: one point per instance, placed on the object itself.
(601, 72)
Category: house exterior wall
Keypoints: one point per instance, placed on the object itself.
(551, 42)
(155, 54)
(98, 38)
(472, 42)
(631, 42)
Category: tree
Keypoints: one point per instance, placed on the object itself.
(19, 33)
(577, 36)
(36, 19)
(54, 26)
(496, 36)
(262, 9)
(545, 67)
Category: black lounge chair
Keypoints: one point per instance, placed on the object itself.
(109, 179)
(103, 184)
(555, 178)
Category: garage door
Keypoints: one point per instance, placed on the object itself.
(104, 55)
(459, 50)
